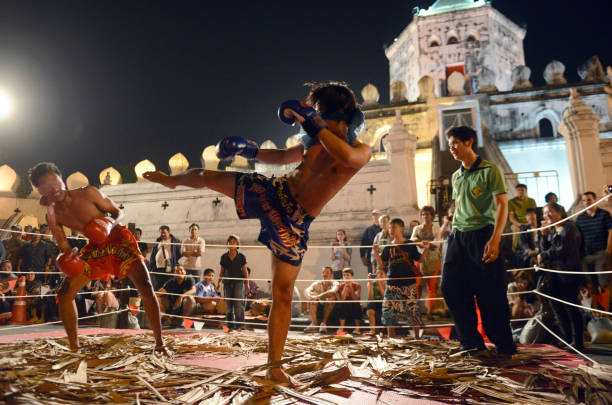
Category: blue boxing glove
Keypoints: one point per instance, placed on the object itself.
(306, 111)
(236, 145)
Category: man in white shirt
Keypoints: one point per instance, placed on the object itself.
(320, 292)
(192, 250)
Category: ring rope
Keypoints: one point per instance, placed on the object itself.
(566, 344)
(54, 294)
(54, 322)
(596, 203)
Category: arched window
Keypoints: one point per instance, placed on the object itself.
(471, 38)
(383, 140)
(545, 128)
(434, 43)
(453, 40)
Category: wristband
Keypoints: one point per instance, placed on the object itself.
(311, 127)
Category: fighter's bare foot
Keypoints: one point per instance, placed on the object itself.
(164, 351)
(280, 377)
(160, 177)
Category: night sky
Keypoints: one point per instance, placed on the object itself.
(101, 83)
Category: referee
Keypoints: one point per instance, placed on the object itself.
(472, 265)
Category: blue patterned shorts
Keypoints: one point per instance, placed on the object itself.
(400, 304)
(284, 223)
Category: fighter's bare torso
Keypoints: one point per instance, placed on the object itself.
(78, 208)
(318, 179)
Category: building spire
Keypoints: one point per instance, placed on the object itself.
(448, 6)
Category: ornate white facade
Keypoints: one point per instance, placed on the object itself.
(456, 35)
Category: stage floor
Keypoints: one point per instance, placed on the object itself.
(384, 371)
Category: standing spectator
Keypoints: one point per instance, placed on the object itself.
(164, 256)
(595, 225)
(528, 245)
(350, 293)
(412, 224)
(401, 295)
(446, 228)
(54, 251)
(382, 238)
(376, 292)
(473, 266)
(367, 240)
(517, 208)
(75, 241)
(340, 253)
(13, 245)
(192, 250)
(2, 251)
(179, 298)
(27, 233)
(34, 256)
(234, 265)
(427, 232)
(321, 293)
(144, 248)
(560, 249)
(206, 296)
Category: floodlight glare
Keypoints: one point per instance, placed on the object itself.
(6, 104)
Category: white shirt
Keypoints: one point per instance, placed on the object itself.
(160, 260)
(191, 245)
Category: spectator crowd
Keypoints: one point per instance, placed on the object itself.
(403, 273)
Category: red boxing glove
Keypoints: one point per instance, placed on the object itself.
(97, 230)
(70, 264)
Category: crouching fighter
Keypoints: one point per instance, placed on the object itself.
(112, 249)
(329, 157)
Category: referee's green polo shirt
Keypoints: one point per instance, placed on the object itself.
(473, 192)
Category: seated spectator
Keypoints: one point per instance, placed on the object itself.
(253, 292)
(408, 231)
(560, 249)
(552, 198)
(427, 232)
(6, 271)
(13, 244)
(206, 296)
(527, 247)
(6, 304)
(517, 208)
(522, 305)
(179, 300)
(106, 301)
(376, 292)
(320, 292)
(340, 253)
(34, 304)
(349, 292)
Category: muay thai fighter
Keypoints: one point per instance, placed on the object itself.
(329, 157)
(112, 249)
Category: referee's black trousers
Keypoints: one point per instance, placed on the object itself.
(465, 276)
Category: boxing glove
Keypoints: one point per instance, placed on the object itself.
(236, 145)
(299, 107)
(97, 230)
(310, 126)
(70, 264)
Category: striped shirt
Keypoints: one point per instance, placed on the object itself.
(594, 230)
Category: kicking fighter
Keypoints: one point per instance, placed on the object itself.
(112, 249)
(329, 156)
